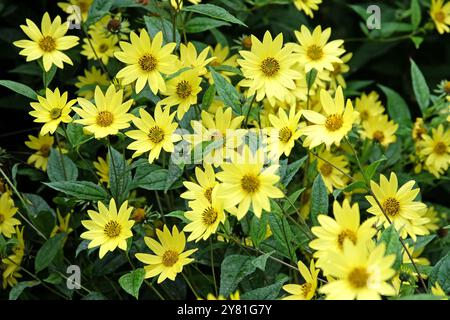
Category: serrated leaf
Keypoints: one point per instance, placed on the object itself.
(60, 167)
(234, 269)
(132, 282)
(420, 86)
(213, 11)
(227, 92)
(119, 176)
(319, 199)
(270, 292)
(48, 252)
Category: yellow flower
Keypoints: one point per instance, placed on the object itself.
(369, 105)
(332, 177)
(153, 134)
(102, 47)
(7, 212)
(432, 215)
(379, 129)
(147, 60)
(436, 150)
(90, 80)
(11, 264)
(72, 8)
(315, 50)
(169, 258)
(307, 290)
(108, 228)
(437, 291)
(178, 4)
(419, 130)
(112, 26)
(189, 58)
(48, 43)
(52, 110)
(206, 182)
(337, 78)
(247, 183)
(399, 206)
(102, 167)
(333, 127)
(108, 115)
(42, 145)
(440, 13)
(63, 224)
(359, 273)
(268, 68)
(307, 6)
(222, 58)
(284, 132)
(182, 91)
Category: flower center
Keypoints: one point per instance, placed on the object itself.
(47, 44)
(84, 5)
(314, 52)
(270, 67)
(447, 87)
(364, 115)
(55, 113)
(2, 218)
(346, 234)
(148, 62)
(250, 183)
(285, 134)
(247, 42)
(102, 48)
(209, 216)
(378, 136)
(306, 288)
(440, 148)
(336, 68)
(208, 194)
(45, 150)
(184, 89)
(104, 119)
(169, 258)
(440, 16)
(156, 134)
(113, 25)
(334, 122)
(391, 206)
(326, 169)
(112, 229)
(358, 277)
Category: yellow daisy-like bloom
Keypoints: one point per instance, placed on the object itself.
(108, 115)
(333, 178)
(102, 47)
(205, 216)
(169, 258)
(189, 58)
(315, 50)
(72, 8)
(332, 232)
(222, 128)
(222, 58)
(399, 206)
(380, 129)
(102, 169)
(42, 145)
(11, 264)
(108, 228)
(438, 291)
(268, 68)
(359, 273)
(337, 78)
(369, 105)
(436, 150)
(48, 43)
(52, 110)
(419, 130)
(332, 127)
(4, 187)
(307, 6)
(147, 60)
(307, 290)
(63, 224)
(182, 91)
(206, 182)
(153, 134)
(284, 133)
(433, 216)
(91, 78)
(247, 183)
(440, 13)
(7, 212)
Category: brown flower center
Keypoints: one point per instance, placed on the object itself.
(156, 134)
(314, 52)
(285, 134)
(247, 42)
(55, 113)
(148, 62)
(250, 183)
(2, 218)
(440, 16)
(209, 216)
(103, 48)
(208, 194)
(47, 44)
(364, 115)
(326, 169)
(378, 136)
(104, 119)
(440, 148)
(358, 277)
(346, 234)
(113, 25)
(337, 68)
(334, 122)
(112, 229)
(447, 87)
(184, 89)
(391, 206)
(45, 150)
(306, 288)
(270, 67)
(169, 258)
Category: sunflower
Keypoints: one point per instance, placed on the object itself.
(369, 105)
(379, 129)
(42, 145)
(204, 217)
(89, 81)
(108, 228)
(284, 132)
(190, 59)
(7, 212)
(399, 205)
(333, 127)
(52, 110)
(182, 91)
(48, 43)
(99, 47)
(307, 290)
(206, 181)
(332, 177)
(307, 6)
(108, 115)
(222, 58)
(315, 51)
(72, 7)
(102, 167)
(170, 256)
(440, 13)
(11, 264)
(153, 134)
(268, 68)
(245, 182)
(436, 150)
(147, 60)
(360, 273)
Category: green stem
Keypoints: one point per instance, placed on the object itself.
(190, 286)
(212, 266)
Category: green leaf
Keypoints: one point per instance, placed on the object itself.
(417, 41)
(258, 228)
(94, 296)
(441, 273)
(397, 108)
(260, 262)
(282, 233)
(291, 171)
(391, 238)
(227, 92)
(370, 171)
(17, 290)
(420, 296)
(49, 75)
(229, 69)
(155, 24)
(208, 97)
(132, 281)
(266, 293)
(97, 10)
(420, 86)
(353, 186)
(19, 88)
(201, 24)
(319, 199)
(75, 134)
(174, 173)
(119, 176)
(60, 167)
(416, 13)
(287, 206)
(311, 77)
(213, 11)
(48, 252)
(83, 190)
(234, 269)
(179, 215)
